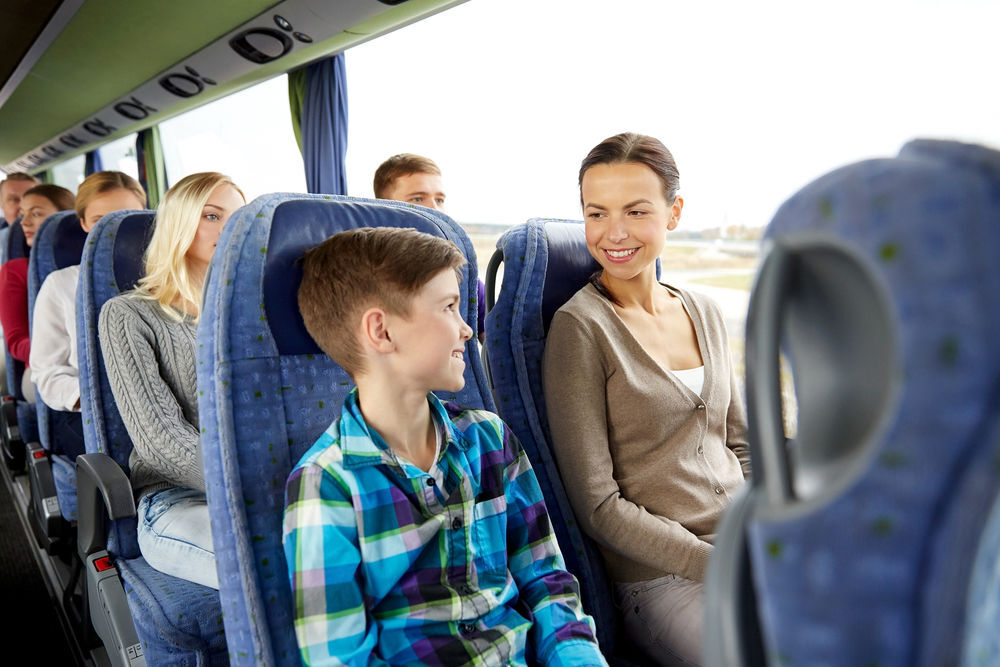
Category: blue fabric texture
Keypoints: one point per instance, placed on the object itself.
(324, 126)
(880, 575)
(267, 393)
(16, 247)
(92, 162)
(545, 262)
(58, 244)
(177, 621)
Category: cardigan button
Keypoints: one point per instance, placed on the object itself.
(718, 489)
(701, 450)
(700, 406)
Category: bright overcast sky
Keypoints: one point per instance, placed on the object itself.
(755, 99)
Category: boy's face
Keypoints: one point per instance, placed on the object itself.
(431, 341)
(421, 188)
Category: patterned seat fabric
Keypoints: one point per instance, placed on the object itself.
(900, 566)
(16, 247)
(58, 244)
(545, 262)
(178, 622)
(269, 392)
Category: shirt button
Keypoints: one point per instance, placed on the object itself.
(467, 589)
(456, 523)
(718, 489)
(431, 481)
(466, 628)
(700, 406)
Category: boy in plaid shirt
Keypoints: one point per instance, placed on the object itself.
(415, 531)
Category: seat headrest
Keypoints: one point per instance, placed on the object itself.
(131, 238)
(66, 238)
(570, 266)
(298, 225)
(17, 245)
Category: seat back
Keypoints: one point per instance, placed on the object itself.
(58, 244)
(16, 247)
(545, 262)
(865, 533)
(111, 264)
(268, 393)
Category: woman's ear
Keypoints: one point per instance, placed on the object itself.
(675, 213)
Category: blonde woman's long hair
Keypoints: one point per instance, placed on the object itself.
(168, 275)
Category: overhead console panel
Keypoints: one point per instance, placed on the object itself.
(286, 36)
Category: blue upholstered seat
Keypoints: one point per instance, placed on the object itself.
(877, 543)
(269, 392)
(177, 622)
(58, 244)
(16, 247)
(545, 262)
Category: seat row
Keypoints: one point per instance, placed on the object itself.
(849, 539)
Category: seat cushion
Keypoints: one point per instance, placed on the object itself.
(178, 622)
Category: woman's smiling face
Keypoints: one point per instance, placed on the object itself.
(627, 217)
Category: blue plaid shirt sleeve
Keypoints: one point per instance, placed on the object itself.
(561, 632)
(321, 540)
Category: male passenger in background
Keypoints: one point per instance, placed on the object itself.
(417, 180)
(12, 189)
(415, 531)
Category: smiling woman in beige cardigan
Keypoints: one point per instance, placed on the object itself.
(645, 413)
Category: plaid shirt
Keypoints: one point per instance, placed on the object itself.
(391, 564)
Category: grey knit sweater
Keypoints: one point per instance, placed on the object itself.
(151, 367)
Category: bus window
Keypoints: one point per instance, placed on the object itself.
(119, 155)
(247, 136)
(69, 174)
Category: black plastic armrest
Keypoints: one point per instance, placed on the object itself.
(103, 492)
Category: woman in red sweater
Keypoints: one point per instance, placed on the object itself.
(37, 204)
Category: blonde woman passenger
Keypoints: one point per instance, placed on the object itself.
(53, 359)
(148, 341)
(646, 417)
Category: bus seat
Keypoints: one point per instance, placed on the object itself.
(544, 263)
(139, 613)
(269, 392)
(18, 422)
(870, 536)
(58, 244)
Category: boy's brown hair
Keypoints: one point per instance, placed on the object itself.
(398, 166)
(358, 269)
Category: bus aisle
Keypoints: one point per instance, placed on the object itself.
(32, 624)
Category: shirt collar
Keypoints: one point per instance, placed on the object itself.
(363, 446)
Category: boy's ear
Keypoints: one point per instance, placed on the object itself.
(375, 331)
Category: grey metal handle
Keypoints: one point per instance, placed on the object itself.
(768, 451)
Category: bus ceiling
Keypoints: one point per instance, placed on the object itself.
(79, 74)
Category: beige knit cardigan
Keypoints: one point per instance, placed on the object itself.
(649, 466)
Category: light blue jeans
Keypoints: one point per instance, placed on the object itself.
(175, 536)
(664, 617)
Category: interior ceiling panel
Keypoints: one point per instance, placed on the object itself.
(23, 21)
(122, 65)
